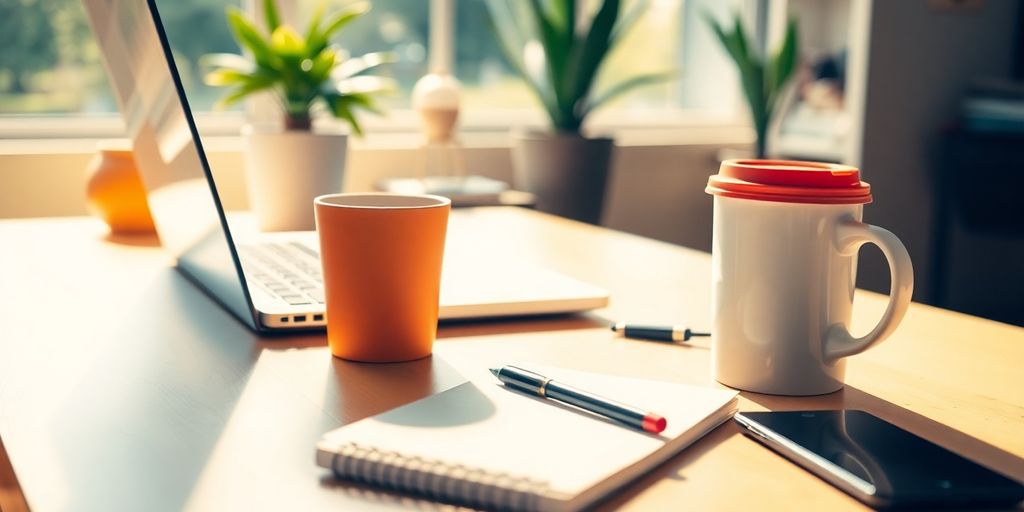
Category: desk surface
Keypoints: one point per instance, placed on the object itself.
(122, 387)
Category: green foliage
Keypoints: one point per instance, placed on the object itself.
(572, 60)
(28, 40)
(762, 79)
(301, 70)
(195, 28)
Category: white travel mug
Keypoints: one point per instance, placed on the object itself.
(784, 267)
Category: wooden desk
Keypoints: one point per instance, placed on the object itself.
(122, 387)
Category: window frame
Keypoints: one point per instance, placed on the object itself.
(404, 121)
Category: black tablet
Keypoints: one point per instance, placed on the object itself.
(879, 463)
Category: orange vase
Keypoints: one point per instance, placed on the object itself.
(115, 193)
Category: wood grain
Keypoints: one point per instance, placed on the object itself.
(122, 387)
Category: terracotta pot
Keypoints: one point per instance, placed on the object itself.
(114, 192)
(568, 173)
(286, 170)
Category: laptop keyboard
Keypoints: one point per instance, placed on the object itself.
(287, 270)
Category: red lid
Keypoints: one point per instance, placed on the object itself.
(788, 181)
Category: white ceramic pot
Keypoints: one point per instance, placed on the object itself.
(784, 266)
(285, 170)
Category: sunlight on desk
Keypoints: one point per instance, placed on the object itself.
(132, 378)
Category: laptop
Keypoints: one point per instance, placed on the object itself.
(270, 281)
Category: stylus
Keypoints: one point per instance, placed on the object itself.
(673, 333)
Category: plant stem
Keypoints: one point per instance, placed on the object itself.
(296, 123)
(761, 129)
(760, 148)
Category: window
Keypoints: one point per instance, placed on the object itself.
(195, 28)
(50, 66)
(49, 63)
(488, 81)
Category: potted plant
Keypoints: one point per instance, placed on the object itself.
(763, 80)
(287, 168)
(565, 170)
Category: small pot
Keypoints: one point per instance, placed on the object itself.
(568, 173)
(286, 170)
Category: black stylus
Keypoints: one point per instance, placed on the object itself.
(673, 333)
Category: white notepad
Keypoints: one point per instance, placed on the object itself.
(482, 445)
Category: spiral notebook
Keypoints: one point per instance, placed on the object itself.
(482, 445)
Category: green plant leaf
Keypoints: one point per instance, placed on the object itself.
(356, 65)
(739, 36)
(256, 83)
(626, 85)
(732, 42)
(572, 61)
(561, 17)
(719, 33)
(511, 40)
(225, 77)
(556, 48)
(753, 86)
(586, 64)
(321, 66)
(212, 61)
(364, 85)
(313, 38)
(753, 76)
(566, 11)
(270, 15)
(365, 101)
(628, 20)
(561, 13)
(340, 106)
(509, 36)
(285, 41)
(339, 20)
(784, 63)
(735, 44)
(297, 69)
(249, 37)
(349, 116)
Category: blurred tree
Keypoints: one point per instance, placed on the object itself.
(197, 27)
(27, 41)
(72, 32)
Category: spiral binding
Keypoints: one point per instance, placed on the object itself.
(436, 479)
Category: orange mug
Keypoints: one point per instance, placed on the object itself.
(381, 257)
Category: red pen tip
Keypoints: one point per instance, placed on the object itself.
(654, 424)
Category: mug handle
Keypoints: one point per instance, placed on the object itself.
(851, 234)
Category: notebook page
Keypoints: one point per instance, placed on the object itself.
(481, 424)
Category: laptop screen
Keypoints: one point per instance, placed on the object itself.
(180, 188)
